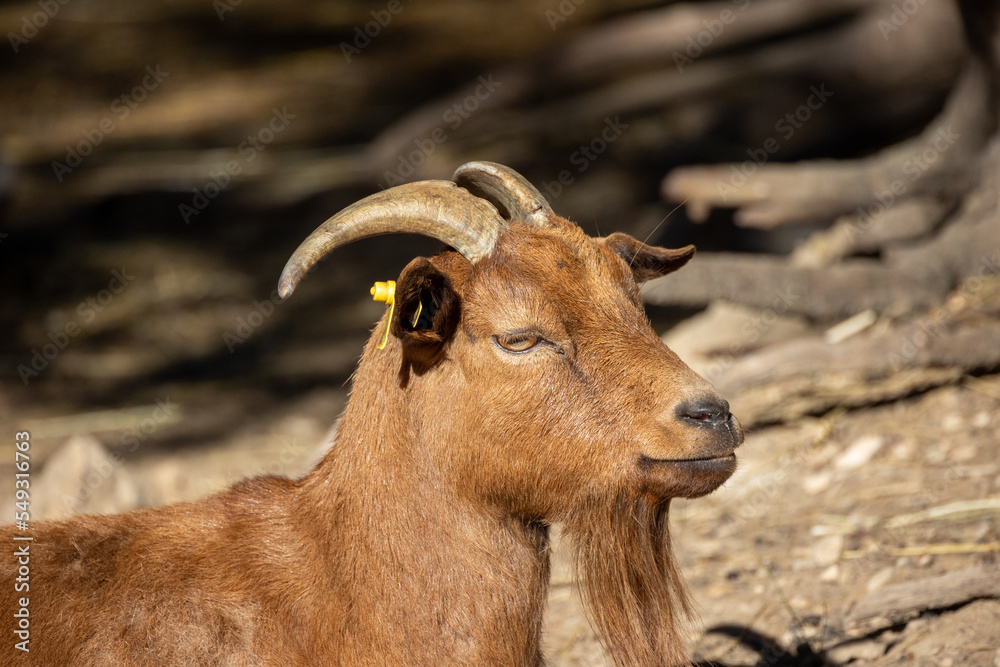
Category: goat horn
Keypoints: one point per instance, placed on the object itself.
(509, 191)
(439, 209)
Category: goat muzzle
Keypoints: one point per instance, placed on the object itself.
(705, 436)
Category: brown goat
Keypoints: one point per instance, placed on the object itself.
(521, 385)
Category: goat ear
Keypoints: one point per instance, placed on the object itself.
(647, 262)
(427, 312)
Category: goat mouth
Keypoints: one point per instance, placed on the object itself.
(684, 478)
(724, 458)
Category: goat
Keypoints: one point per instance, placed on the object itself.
(520, 385)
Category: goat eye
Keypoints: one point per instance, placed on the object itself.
(519, 342)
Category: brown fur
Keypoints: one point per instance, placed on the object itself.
(422, 537)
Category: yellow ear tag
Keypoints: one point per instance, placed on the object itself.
(385, 292)
(416, 315)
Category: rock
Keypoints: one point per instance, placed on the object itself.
(880, 579)
(935, 454)
(865, 649)
(818, 483)
(859, 453)
(82, 477)
(964, 453)
(904, 449)
(826, 550)
(953, 422)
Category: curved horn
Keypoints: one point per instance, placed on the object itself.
(439, 209)
(513, 195)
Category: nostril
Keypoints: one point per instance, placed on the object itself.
(710, 411)
(703, 415)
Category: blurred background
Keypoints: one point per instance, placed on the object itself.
(835, 162)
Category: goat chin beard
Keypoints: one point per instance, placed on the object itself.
(629, 581)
